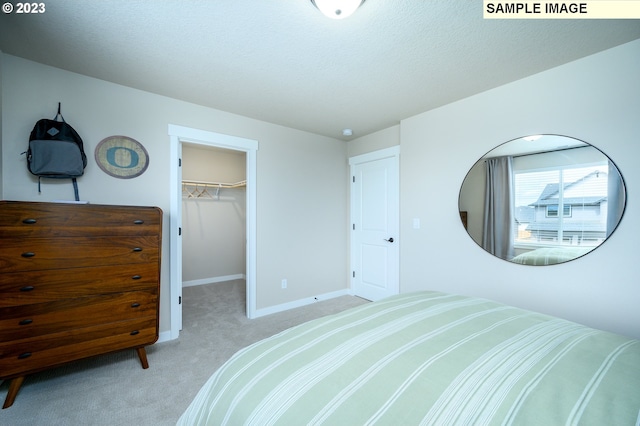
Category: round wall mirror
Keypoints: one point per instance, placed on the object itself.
(542, 200)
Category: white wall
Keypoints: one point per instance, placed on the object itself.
(595, 99)
(382, 139)
(302, 200)
(303, 217)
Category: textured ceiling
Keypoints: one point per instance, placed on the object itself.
(283, 62)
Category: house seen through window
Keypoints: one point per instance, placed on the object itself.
(578, 191)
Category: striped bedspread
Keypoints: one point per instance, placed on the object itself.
(428, 358)
(551, 255)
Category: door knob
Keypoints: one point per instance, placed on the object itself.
(390, 240)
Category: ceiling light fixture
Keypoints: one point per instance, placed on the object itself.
(337, 9)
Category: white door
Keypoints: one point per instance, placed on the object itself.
(375, 254)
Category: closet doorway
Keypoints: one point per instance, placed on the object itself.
(213, 215)
(194, 138)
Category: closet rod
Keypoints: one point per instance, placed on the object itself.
(215, 184)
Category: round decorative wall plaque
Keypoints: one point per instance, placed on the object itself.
(122, 157)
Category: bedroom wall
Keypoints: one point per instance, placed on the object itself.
(382, 139)
(214, 226)
(595, 99)
(302, 198)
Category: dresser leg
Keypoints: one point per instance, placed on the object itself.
(142, 354)
(14, 387)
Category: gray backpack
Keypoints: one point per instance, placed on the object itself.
(56, 151)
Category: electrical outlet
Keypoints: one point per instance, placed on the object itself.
(284, 283)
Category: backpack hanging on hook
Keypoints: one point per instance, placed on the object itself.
(56, 151)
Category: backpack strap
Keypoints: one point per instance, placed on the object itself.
(59, 115)
(75, 188)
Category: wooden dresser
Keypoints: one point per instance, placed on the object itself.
(76, 280)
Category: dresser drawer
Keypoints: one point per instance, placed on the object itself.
(29, 254)
(26, 288)
(23, 322)
(31, 355)
(25, 219)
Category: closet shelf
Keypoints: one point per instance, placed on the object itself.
(200, 189)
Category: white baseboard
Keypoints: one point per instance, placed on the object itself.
(213, 280)
(301, 302)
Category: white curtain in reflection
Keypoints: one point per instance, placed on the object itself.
(498, 232)
(615, 198)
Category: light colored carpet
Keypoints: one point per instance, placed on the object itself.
(114, 389)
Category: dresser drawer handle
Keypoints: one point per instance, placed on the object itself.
(136, 277)
(134, 332)
(29, 221)
(137, 249)
(138, 221)
(28, 254)
(25, 322)
(24, 355)
(27, 288)
(135, 305)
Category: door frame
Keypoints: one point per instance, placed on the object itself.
(178, 135)
(392, 152)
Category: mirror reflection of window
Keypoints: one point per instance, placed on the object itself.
(577, 188)
(567, 197)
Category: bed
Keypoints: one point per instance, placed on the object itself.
(550, 255)
(427, 358)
